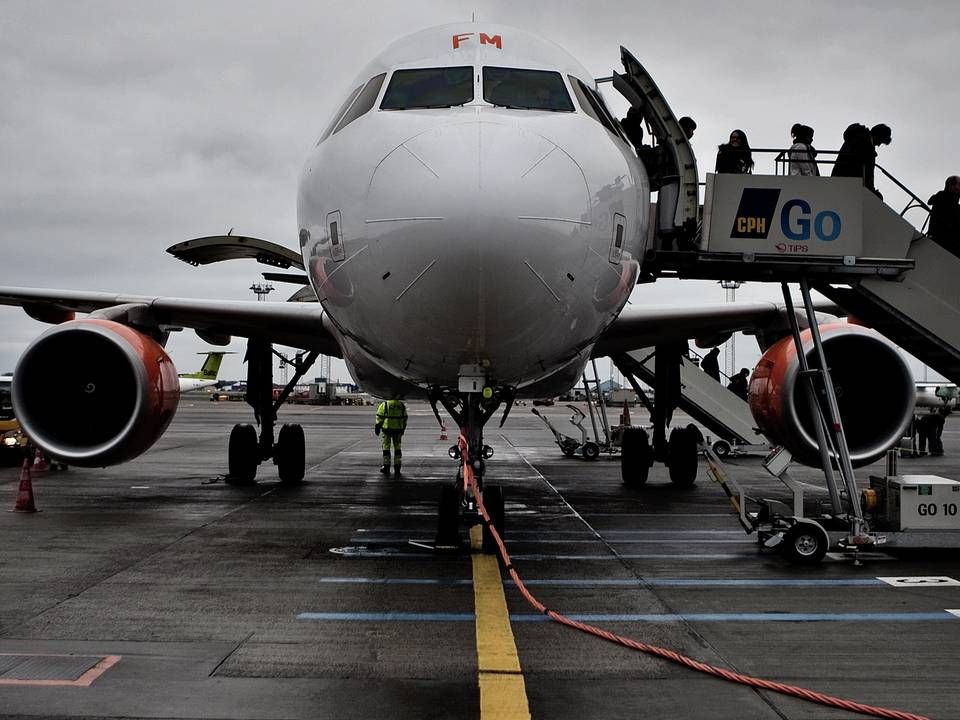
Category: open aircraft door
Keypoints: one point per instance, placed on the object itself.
(679, 200)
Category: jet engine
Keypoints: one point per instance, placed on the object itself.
(874, 387)
(93, 392)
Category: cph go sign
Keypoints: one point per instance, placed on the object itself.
(796, 222)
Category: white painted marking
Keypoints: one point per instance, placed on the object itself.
(139, 487)
(924, 581)
(955, 613)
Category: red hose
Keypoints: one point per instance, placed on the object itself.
(666, 654)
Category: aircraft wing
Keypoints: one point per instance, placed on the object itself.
(644, 326)
(300, 325)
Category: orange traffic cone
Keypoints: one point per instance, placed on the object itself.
(40, 463)
(443, 432)
(25, 502)
(626, 414)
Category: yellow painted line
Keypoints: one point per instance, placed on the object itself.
(503, 693)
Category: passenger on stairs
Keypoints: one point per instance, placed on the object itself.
(710, 365)
(687, 124)
(802, 152)
(858, 155)
(735, 156)
(738, 383)
(945, 216)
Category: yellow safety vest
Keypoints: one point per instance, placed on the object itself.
(392, 415)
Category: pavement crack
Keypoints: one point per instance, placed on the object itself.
(227, 656)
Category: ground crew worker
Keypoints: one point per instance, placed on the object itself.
(391, 422)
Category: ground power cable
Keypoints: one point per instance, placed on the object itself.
(665, 653)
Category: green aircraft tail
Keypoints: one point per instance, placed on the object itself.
(210, 369)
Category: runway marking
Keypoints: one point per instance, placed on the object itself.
(86, 679)
(935, 616)
(920, 581)
(387, 539)
(503, 693)
(628, 582)
(635, 556)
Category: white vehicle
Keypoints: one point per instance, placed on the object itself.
(472, 222)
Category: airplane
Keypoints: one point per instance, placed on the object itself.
(206, 376)
(472, 222)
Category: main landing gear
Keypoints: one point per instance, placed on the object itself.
(681, 452)
(460, 501)
(246, 449)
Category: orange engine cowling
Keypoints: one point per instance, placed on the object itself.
(94, 392)
(874, 387)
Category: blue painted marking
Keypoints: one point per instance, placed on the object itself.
(657, 618)
(708, 582)
(627, 582)
(396, 581)
(397, 540)
(388, 617)
(628, 556)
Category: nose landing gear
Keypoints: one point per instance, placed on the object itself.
(459, 501)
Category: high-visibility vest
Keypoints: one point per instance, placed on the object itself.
(392, 415)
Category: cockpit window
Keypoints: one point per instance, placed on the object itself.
(429, 88)
(363, 103)
(525, 89)
(333, 123)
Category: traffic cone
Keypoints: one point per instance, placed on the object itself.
(25, 502)
(443, 432)
(625, 418)
(40, 463)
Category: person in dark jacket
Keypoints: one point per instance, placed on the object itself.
(735, 156)
(945, 216)
(710, 365)
(738, 383)
(858, 155)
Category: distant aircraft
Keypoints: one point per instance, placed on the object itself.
(937, 394)
(207, 375)
(472, 221)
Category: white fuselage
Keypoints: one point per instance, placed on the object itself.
(472, 234)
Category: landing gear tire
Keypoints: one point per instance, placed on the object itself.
(805, 543)
(634, 457)
(493, 502)
(591, 451)
(448, 518)
(683, 457)
(290, 454)
(721, 449)
(243, 455)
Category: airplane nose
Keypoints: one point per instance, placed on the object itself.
(472, 171)
(491, 220)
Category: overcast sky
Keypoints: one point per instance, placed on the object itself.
(128, 126)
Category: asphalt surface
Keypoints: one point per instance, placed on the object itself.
(153, 590)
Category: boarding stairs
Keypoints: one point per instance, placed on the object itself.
(704, 399)
(877, 266)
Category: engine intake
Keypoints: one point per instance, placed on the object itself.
(94, 392)
(874, 387)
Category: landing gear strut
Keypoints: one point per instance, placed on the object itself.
(246, 450)
(681, 452)
(459, 501)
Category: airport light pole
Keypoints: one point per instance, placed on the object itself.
(730, 351)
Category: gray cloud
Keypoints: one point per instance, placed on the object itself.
(128, 126)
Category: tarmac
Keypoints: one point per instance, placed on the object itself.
(155, 590)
